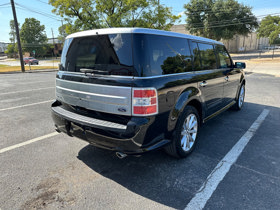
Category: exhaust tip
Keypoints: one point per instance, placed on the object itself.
(57, 130)
(121, 155)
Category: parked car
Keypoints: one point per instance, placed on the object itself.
(134, 90)
(30, 60)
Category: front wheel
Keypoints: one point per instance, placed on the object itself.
(186, 132)
(240, 100)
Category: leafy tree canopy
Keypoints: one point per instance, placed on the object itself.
(62, 32)
(219, 19)
(12, 48)
(89, 14)
(33, 36)
(270, 27)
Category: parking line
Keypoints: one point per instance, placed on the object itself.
(15, 107)
(28, 142)
(217, 175)
(23, 91)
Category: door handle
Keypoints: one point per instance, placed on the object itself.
(203, 84)
(226, 78)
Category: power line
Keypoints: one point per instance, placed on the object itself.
(37, 11)
(231, 22)
(42, 2)
(4, 4)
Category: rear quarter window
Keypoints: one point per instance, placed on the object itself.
(208, 57)
(159, 55)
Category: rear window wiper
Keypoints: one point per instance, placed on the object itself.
(93, 71)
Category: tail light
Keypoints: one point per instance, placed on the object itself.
(144, 101)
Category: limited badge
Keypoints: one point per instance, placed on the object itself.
(121, 109)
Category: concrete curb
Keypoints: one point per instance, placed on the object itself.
(30, 71)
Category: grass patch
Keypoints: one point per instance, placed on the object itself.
(2, 65)
(5, 68)
(51, 61)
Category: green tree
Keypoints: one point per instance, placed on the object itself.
(270, 27)
(33, 37)
(12, 47)
(89, 14)
(13, 35)
(62, 33)
(219, 19)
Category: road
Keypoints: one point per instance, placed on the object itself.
(12, 62)
(42, 169)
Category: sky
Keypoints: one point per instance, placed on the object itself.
(27, 9)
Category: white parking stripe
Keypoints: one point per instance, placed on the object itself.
(23, 91)
(28, 142)
(15, 107)
(223, 167)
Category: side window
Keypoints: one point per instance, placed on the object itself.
(208, 57)
(168, 55)
(196, 56)
(224, 60)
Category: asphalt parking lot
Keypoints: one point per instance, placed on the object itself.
(42, 169)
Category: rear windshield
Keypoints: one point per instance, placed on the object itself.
(103, 54)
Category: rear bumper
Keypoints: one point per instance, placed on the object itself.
(127, 138)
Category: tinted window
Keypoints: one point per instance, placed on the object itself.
(196, 56)
(105, 54)
(224, 60)
(208, 57)
(157, 55)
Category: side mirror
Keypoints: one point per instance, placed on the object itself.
(240, 65)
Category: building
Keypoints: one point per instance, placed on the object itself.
(3, 47)
(238, 43)
(57, 45)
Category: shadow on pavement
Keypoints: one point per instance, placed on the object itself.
(169, 181)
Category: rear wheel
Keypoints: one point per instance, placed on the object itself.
(186, 133)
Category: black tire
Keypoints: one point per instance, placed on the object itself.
(175, 148)
(240, 99)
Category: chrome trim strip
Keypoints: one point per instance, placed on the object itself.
(88, 120)
(80, 73)
(93, 94)
(92, 84)
(149, 77)
(219, 111)
(165, 75)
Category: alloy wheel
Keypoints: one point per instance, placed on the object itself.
(189, 132)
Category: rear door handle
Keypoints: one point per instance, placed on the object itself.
(203, 84)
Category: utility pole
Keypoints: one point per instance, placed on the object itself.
(18, 38)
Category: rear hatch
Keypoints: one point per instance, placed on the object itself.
(96, 74)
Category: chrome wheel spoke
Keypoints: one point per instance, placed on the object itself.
(193, 124)
(183, 140)
(192, 131)
(190, 121)
(241, 96)
(188, 144)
